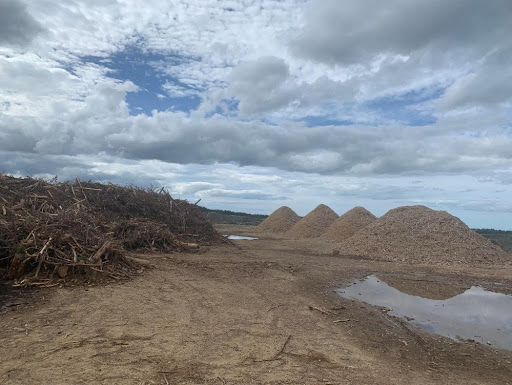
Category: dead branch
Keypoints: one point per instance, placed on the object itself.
(96, 258)
(320, 310)
(41, 256)
(276, 356)
(91, 225)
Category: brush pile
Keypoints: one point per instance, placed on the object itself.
(50, 229)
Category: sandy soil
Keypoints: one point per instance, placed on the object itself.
(262, 312)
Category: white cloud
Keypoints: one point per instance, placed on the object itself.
(193, 187)
(260, 86)
(177, 91)
(237, 194)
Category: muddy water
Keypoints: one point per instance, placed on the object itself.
(239, 237)
(476, 314)
(11, 299)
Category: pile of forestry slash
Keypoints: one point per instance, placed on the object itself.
(51, 230)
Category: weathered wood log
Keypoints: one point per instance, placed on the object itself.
(139, 261)
(190, 246)
(96, 258)
(42, 256)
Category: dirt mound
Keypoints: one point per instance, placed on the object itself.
(51, 230)
(314, 224)
(349, 224)
(280, 221)
(418, 234)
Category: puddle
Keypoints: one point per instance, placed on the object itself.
(240, 237)
(11, 299)
(476, 314)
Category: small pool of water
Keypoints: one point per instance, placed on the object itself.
(476, 314)
(11, 298)
(240, 237)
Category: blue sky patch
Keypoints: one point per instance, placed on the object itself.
(317, 121)
(141, 68)
(227, 107)
(401, 108)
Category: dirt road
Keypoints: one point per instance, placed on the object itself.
(261, 313)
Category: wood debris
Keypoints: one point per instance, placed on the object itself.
(51, 230)
(326, 312)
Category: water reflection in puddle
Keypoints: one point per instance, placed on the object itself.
(476, 314)
(240, 237)
(11, 299)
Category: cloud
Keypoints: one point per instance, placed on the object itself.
(489, 85)
(177, 91)
(260, 86)
(266, 85)
(193, 187)
(100, 122)
(398, 47)
(174, 137)
(17, 26)
(238, 194)
(361, 30)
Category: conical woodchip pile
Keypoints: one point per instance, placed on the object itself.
(280, 221)
(417, 234)
(349, 224)
(314, 224)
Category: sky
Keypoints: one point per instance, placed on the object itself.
(249, 105)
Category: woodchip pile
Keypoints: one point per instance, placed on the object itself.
(349, 224)
(280, 221)
(314, 224)
(417, 234)
(52, 230)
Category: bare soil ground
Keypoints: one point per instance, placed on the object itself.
(262, 312)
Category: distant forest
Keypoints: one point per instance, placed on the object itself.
(232, 217)
(501, 238)
(492, 231)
